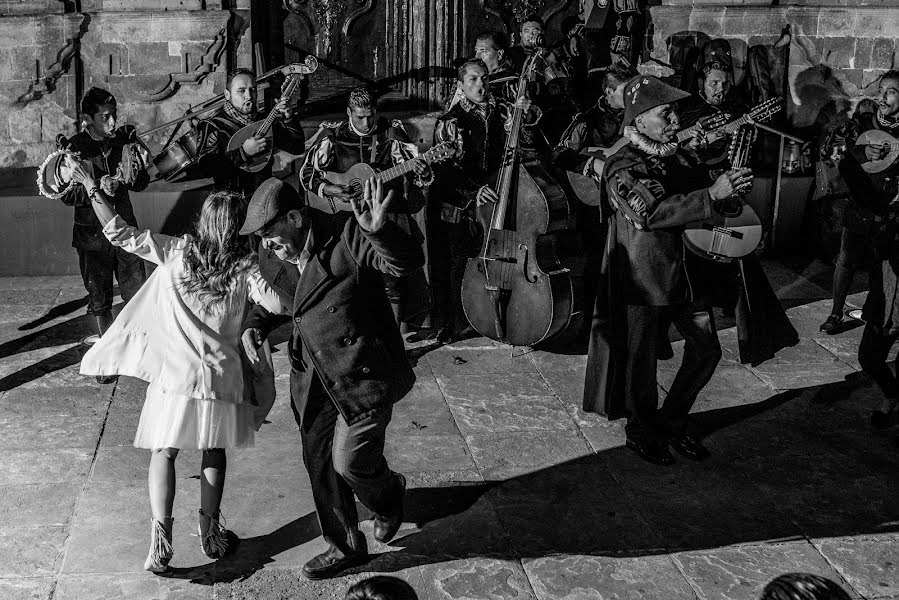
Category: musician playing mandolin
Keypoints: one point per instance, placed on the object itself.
(655, 188)
(102, 149)
(878, 191)
(225, 167)
(366, 138)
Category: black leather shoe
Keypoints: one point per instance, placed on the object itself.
(386, 527)
(331, 562)
(832, 325)
(104, 379)
(446, 334)
(651, 451)
(690, 447)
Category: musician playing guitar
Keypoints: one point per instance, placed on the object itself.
(365, 138)
(655, 188)
(226, 167)
(878, 193)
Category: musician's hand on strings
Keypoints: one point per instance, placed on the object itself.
(524, 103)
(699, 139)
(255, 145)
(421, 167)
(252, 340)
(371, 211)
(731, 182)
(283, 110)
(338, 192)
(875, 152)
(485, 195)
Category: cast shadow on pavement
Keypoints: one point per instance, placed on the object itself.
(801, 464)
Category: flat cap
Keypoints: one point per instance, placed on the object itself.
(273, 199)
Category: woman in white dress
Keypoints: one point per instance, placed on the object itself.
(180, 334)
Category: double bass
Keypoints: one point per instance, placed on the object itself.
(516, 290)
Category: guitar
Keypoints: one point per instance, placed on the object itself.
(263, 128)
(355, 177)
(876, 137)
(733, 230)
(585, 187)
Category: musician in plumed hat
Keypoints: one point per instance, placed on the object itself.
(656, 188)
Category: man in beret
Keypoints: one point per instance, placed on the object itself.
(348, 362)
(655, 188)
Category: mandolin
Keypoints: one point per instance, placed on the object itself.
(355, 177)
(263, 128)
(585, 187)
(876, 137)
(733, 230)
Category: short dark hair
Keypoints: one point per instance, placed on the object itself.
(471, 62)
(360, 97)
(497, 38)
(615, 76)
(533, 18)
(236, 72)
(381, 587)
(94, 99)
(891, 74)
(712, 65)
(803, 586)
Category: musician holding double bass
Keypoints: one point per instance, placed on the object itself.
(476, 125)
(107, 151)
(228, 168)
(655, 188)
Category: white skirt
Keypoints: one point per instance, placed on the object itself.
(174, 421)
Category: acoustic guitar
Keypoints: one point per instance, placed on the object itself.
(733, 230)
(263, 128)
(876, 137)
(586, 187)
(354, 178)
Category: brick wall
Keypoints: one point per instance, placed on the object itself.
(838, 50)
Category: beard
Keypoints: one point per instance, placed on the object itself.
(246, 108)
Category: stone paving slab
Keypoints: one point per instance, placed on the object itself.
(607, 578)
(514, 491)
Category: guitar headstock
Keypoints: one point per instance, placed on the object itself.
(766, 109)
(442, 151)
(738, 153)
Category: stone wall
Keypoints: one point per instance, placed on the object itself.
(838, 49)
(158, 57)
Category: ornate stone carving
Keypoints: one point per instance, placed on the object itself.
(47, 84)
(208, 63)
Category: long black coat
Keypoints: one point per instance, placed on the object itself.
(344, 329)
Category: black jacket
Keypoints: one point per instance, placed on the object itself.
(344, 328)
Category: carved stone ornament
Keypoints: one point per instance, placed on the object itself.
(47, 84)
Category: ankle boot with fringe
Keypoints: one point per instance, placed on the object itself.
(213, 535)
(160, 545)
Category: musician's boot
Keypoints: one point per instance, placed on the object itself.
(104, 320)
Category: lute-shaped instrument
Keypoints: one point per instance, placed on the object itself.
(263, 128)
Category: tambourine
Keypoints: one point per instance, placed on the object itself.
(51, 181)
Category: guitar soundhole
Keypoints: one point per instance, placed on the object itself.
(728, 208)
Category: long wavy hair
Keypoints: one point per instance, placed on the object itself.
(218, 255)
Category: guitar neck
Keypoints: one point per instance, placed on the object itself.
(402, 168)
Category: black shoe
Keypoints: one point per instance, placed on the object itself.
(386, 527)
(652, 451)
(331, 562)
(104, 379)
(832, 325)
(690, 447)
(446, 334)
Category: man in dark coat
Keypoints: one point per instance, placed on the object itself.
(348, 362)
(655, 189)
(227, 167)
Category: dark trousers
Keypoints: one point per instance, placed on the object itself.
(872, 356)
(97, 270)
(342, 459)
(701, 355)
